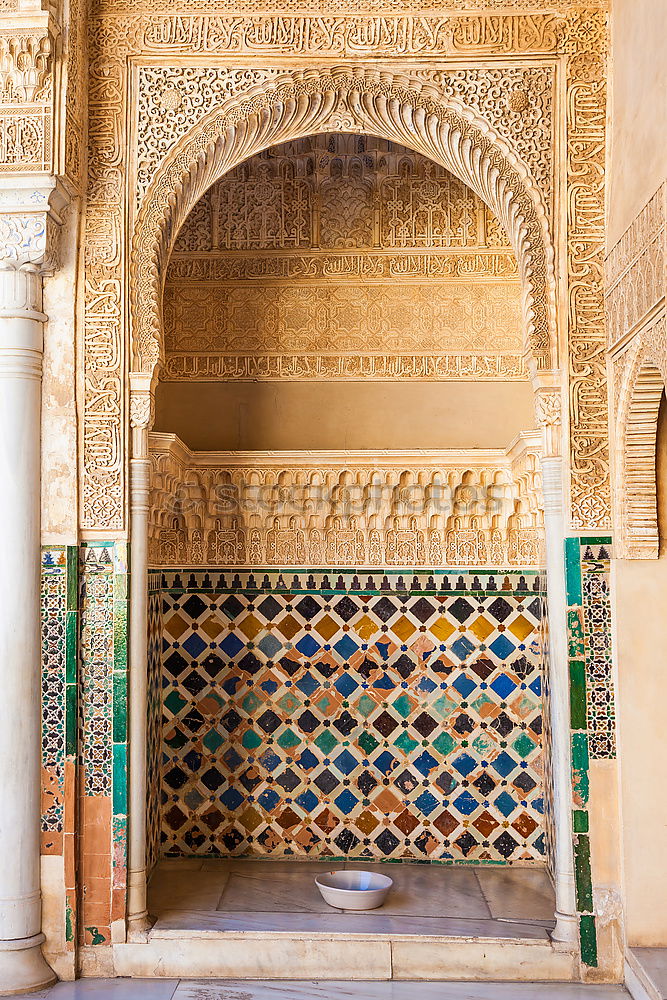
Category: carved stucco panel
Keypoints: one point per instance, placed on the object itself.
(123, 31)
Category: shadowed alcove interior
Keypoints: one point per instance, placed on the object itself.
(347, 590)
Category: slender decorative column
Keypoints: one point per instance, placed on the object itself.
(548, 410)
(22, 966)
(141, 410)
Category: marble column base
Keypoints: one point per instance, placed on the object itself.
(23, 968)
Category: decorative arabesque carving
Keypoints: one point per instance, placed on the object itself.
(339, 218)
(445, 132)
(117, 32)
(636, 315)
(341, 511)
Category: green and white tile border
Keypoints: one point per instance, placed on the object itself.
(592, 717)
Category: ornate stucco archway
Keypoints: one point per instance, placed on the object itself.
(417, 115)
(389, 106)
(638, 404)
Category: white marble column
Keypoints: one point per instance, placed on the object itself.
(566, 930)
(141, 407)
(22, 966)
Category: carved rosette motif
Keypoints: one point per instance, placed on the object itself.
(408, 111)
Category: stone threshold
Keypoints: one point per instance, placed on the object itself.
(268, 955)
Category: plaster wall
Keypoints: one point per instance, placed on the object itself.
(59, 417)
(249, 416)
(642, 640)
(638, 121)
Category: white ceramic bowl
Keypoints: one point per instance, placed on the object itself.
(351, 890)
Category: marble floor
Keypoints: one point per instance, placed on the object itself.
(165, 989)
(239, 895)
(654, 963)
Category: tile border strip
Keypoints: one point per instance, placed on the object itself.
(587, 564)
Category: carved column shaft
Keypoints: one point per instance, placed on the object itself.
(22, 966)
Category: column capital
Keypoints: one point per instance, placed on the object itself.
(31, 214)
(548, 415)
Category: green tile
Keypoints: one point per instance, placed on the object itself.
(119, 800)
(405, 743)
(595, 540)
(72, 557)
(71, 719)
(71, 645)
(119, 707)
(119, 635)
(588, 939)
(582, 873)
(572, 571)
(580, 821)
(575, 633)
(580, 782)
(577, 694)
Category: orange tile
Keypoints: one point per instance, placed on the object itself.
(96, 866)
(118, 902)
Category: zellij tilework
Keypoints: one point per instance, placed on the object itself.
(592, 713)
(384, 716)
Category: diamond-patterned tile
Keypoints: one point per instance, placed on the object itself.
(384, 725)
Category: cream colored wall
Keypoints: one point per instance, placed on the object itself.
(637, 164)
(641, 593)
(332, 415)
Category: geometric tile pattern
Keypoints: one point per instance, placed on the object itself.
(154, 721)
(600, 705)
(103, 755)
(96, 653)
(59, 633)
(381, 722)
(592, 716)
(54, 666)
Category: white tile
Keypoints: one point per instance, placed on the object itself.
(337, 922)
(518, 893)
(243, 990)
(245, 865)
(111, 989)
(654, 963)
(431, 891)
(196, 890)
(288, 891)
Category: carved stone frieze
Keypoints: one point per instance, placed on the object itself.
(228, 319)
(584, 41)
(636, 270)
(336, 509)
(348, 266)
(310, 367)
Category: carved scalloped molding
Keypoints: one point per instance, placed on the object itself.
(640, 379)
(345, 509)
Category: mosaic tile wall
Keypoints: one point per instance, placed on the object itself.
(592, 712)
(154, 722)
(388, 716)
(59, 614)
(103, 758)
